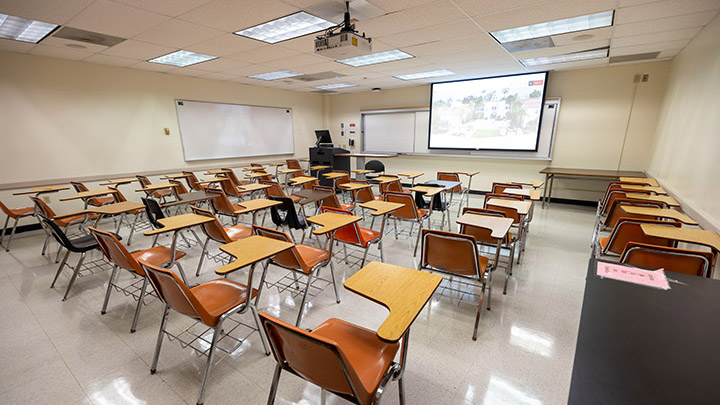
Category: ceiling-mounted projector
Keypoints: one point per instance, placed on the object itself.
(342, 41)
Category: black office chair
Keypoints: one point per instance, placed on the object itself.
(154, 212)
(81, 244)
(376, 166)
(285, 214)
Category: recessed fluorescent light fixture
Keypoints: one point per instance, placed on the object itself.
(22, 29)
(374, 58)
(557, 27)
(280, 74)
(425, 75)
(334, 86)
(568, 57)
(182, 58)
(292, 26)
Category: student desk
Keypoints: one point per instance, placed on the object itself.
(257, 174)
(154, 187)
(362, 172)
(655, 190)
(430, 192)
(688, 235)
(640, 345)
(252, 187)
(385, 179)
(310, 196)
(43, 190)
(117, 208)
(253, 206)
(533, 184)
(499, 226)
(412, 176)
(667, 200)
(190, 198)
(212, 180)
(352, 187)
(552, 172)
(644, 180)
(249, 251)
(119, 182)
(253, 168)
(300, 180)
(523, 209)
(218, 171)
(174, 176)
(329, 222)
(87, 195)
(534, 195)
(659, 212)
(470, 175)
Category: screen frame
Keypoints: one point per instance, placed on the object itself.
(323, 134)
(537, 135)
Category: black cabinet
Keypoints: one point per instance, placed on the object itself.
(326, 157)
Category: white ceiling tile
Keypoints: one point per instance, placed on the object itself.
(295, 61)
(63, 43)
(656, 37)
(171, 8)
(62, 53)
(627, 3)
(663, 9)
(544, 12)
(263, 54)
(56, 12)
(317, 68)
(188, 71)
(398, 64)
(234, 15)
(396, 5)
(457, 29)
(178, 34)
(154, 67)
(137, 50)
(559, 50)
(668, 54)
(219, 76)
(573, 65)
(115, 19)
(439, 12)
(15, 46)
(305, 43)
(219, 65)
(469, 44)
(580, 37)
(110, 60)
(663, 46)
(224, 45)
(664, 24)
(248, 70)
(485, 7)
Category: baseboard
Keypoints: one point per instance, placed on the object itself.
(22, 228)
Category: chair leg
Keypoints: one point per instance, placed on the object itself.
(304, 299)
(59, 270)
(382, 252)
(2, 235)
(332, 275)
(489, 288)
(208, 365)
(182, 272)
(74, 276)
(47, 239)
(202, 256)
(155, 239)
(417, 241)
(346, 253)
(57, 255)
(401, 390)
(158, 344)
(263, 339)
(107, 293)
(132, 228)
(275, 383)
(139, 305)
(262, 282)
(362, 262)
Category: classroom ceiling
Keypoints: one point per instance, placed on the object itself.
(441, 34)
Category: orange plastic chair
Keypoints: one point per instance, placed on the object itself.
(459, 189)
(95, 201)
(15, 214)
(409, 212)
(118, 255)
(358, 236)
(629, 230)
(345, 359)
(193, 181)
(332, 200)
(45, 211)
(276, 191)
(222, 205)
(233, 177)
(293, 164)
(456, 255)
(215, 231)
(499, 187)
(211, 303)
(615, 212)
(120, 197)
(161, 194)
(684, 261)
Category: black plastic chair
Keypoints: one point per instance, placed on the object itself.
(285, 214)
(376, 166)
(154, 212)
(81, 244)
(423, 203)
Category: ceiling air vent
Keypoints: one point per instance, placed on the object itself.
(89, 37)
(318, 76)
(529, 44)
(634, 57)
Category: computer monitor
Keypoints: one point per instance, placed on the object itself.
(323, 137)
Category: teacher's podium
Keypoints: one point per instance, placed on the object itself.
(326, 156)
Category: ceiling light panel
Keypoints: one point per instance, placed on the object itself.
(425, 75)
(182, 58)
(557, 27)
(375, 58)
(292, 26)
(568, 57)
(279, 74)
(334, 86)
(22, 29)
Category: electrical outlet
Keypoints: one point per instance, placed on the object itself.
(645, 77)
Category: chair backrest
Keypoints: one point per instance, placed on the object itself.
(615, 212)
(42, 207)
(144, 181)
(232, 176)
(293, 164)
(692, 262)
(629, 230)
(118, 195)
(310, 185)
(375, 165)
(256, 165)
(394, 186)
(286, 214)
(79, 187)
(499, 188)
(314, 358)
(192, 180)
(509, 212)
(349, 233)
(409, 209)
(60, 236)
(329, 201)
(6, 210)
(450, 176)
(228, 187)
(220, 202)
(154, 212)
(290, 258)
(172, 291)
(619, 193)
(274, 190)
(482, 235)
(450, 252)
(616, 186)
(178, 189)
(501, 196)
(115, 251)
(364, 194)
(213, 230)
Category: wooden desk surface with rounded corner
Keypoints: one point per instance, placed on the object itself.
(534, 184)
(218, 171)
(173, 176)
(411, 175)
(404, 292)
(319, 167)
(468, 173)
(689, 235)
(254, 187)
(88, 194)
(499, 226)
(304, 159)
(213, 180)
(256, 204)
(380, 207)
(309, 196)
(42, 190)
(427, 190)
(190, 198)
(330, 221)
(117, 182)
(178, 222)
(362, 171)
(522, 207)
(277, 163)
(253, 168)
(157, 186)
(644, 180)
(659, 212)
(385, 180)
(334, 175)
(666, 199)
(107, 209)
(353, 186)
(252, 249)
(656, 190)
(288, 171)
(532, 194)
(300, 180)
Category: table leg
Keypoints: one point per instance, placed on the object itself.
(467, 197)
(545, 191)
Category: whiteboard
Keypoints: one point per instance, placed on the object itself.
(218, 131)
(401, 134)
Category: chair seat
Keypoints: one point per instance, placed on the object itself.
(421, 213)
(346, 207)
(366, 236)
(294, 198)
(220, 295)
(157, 255)
(603, 242)
(82, 244)
(162, 193)
(20, 211)
(369, 356)
(483, 262)
(99, 201)
(238, 232)
(64, 222)
(311, 255)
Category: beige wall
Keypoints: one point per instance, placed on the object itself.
(687, 151)
(596, 105)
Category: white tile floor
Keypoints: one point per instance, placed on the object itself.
(66, 352)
